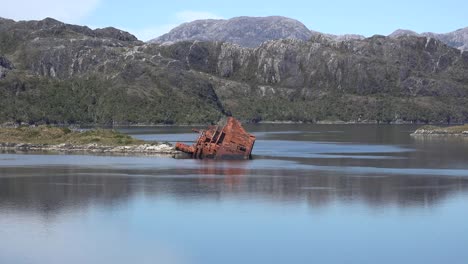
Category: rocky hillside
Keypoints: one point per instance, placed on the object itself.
(457, 39)
(55, 72)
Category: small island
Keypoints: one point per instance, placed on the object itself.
(442, 131)
(62, 139)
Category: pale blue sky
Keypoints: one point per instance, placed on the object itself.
(148, 19)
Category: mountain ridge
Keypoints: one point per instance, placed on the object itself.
(252, 31)
(58, 27)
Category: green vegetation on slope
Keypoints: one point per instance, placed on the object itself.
(54, 135)
(94, 100)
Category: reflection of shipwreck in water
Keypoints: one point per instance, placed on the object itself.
(228, 141)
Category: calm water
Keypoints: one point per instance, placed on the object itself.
(312, 194)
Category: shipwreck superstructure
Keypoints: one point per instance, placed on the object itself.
(225, 141)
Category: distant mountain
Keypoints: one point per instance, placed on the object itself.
(52, 72)
(402, 32)
(457, 39)
(253, 31)
(245, 31)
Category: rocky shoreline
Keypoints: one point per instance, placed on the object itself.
(83, 126)
(439, 131)
(147, 149)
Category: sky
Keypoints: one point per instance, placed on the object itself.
(148, 19)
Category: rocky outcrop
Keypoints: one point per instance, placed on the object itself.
(438, 132)
(442, 131)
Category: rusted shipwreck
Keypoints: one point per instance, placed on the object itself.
(224, 141)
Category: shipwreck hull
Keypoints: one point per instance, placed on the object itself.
(228, 141)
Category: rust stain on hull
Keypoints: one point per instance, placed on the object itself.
(228, 141)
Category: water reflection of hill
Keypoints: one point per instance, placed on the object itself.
(52, 189)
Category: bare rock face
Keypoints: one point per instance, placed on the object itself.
(245, 31)
(373, 65)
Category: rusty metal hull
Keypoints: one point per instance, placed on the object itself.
(228, 141)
